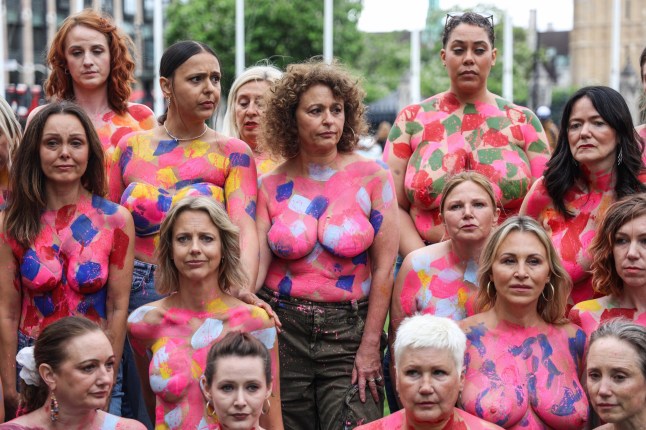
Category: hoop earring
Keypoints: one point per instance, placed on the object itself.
(354, 135)
(210, 410)
(53, 408)
(553, 292)
(263, 410)
(489, 292)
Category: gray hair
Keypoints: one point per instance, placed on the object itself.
(626, 330)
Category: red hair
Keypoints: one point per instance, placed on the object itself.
(59, 83)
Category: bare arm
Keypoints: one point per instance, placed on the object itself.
(10, 309)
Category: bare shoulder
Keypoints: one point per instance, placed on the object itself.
(150, 314)
(468, 323)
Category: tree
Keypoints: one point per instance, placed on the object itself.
(283, 31)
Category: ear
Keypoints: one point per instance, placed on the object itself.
(494, 54)
(204, 388)
(48, 375)
(496, 215)
(462, 378)
(166, 86)
(443, 56)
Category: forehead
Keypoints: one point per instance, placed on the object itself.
(612, 352)
(467, 189)
(203, 62)
(318, 93)
(93, 345)
(62, 120)
(194, 219)
(634, 225)
(522, 242)
(583, 107)
(427, 357)
(239, 368)
(80, 34)
(468, 33)
(253, 88)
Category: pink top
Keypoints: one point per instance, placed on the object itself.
(65, 271)
(525, 377)
(147, 177)
(589, 315)
(460, 420)
(112, 127)
(322, 226)
(440, 137)
(437, 285)
(179, 340)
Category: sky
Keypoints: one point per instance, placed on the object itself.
(380, 14)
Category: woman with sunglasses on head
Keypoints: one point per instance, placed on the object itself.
(465, 128)
(91, 64)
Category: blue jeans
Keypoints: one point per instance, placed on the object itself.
(143, 292)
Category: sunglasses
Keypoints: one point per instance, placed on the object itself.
(452, 15)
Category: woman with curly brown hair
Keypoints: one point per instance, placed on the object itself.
(329, 217)
(618, 267)
(91, 64)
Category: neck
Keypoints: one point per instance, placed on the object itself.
(71, 418)
(308, 163)
(634, 298)
(196, 295)
(409, 423)
(636, 422)
(599, 178)
(183, 128)
(467, 251)
(482, 95)
(94, 102)
(59, 195)
(525, 316)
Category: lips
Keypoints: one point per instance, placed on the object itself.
(468, 72)
(240, 417)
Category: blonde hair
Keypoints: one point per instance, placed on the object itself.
(551, 310)
(10, 127)
(230, 270)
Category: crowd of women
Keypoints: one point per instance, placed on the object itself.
(253, 270)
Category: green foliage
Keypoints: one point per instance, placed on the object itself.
(283, 31)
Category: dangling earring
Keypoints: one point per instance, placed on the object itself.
(210, 410)
(489, 292)
(553, 292)
(620, 157)
(53, 408)
(263, 410)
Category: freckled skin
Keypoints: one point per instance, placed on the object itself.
(179, 341)
(439, 137)
(524, 377)
(148, 174)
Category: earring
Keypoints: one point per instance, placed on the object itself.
(488, 290)
(620, 157)
(263, 410)
(210, 410)
(553, 292)
(67, 71)
(53, 408)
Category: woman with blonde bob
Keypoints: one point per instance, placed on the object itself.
(429, 352)
(245, 108)
(618, 267)
(10, 136)
(523, 356)
(199, 264)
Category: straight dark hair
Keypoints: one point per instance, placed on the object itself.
(563, 170)
(27, 180)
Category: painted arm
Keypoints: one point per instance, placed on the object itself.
(240, 191)
(10, 308)
(263, 223)
(115, 172)
(120, 283)
(537, 146)
(367, 363)
(142, 361)
(274, 419)
(397, 153)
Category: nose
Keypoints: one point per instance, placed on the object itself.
(252, 109)
(585, 129)
(632, 253)
(239, 401)
(468, 56)
(521, 272)
(426, 386)
(105, 375)
(604, 387)
(87, 59)
(468, 210)
(65, 151)
(195, 246)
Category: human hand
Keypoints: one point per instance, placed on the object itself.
(367, 371)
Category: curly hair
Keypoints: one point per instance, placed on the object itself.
(563, 170)
(605, 279)
(230, 273)
(59, 84)
(470, 18)
(279, 127)
(27, 180)
(551, 310)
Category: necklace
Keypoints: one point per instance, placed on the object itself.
(177, 139)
